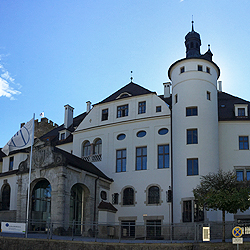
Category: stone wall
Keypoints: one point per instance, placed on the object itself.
(41, 244)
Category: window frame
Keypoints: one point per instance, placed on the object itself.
(153, 196)
(243, 141)
(192, 111)
(141, 157)
(182, 69)
(165, 154)
(129, 198)
(192, 136)
(200, 67)
(158, 109)
(208, 95)
(122, 111)
(122, 159)
(142, 107)
(105, 114)
(11, 163)
(194, 171)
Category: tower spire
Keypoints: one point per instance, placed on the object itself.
(192, 23)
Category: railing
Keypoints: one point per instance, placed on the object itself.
(129, 231)
(92, 158)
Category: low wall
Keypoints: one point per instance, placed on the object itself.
(41, 244)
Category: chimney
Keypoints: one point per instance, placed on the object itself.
(167, 89)
(88, 106)
(68, 116)
(220, 86)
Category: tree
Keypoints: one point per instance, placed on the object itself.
(222, 191)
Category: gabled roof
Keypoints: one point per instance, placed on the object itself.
(77, 162)
(226, 104)
(107, 206)
(132, 89)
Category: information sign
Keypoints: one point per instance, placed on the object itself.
(237, 240)
(10, 227)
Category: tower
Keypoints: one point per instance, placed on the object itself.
(194, 124)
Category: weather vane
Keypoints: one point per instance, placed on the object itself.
(131, 76)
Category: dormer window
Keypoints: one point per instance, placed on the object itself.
(62, 136)
(241, 110)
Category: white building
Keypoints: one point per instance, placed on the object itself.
(141, 148)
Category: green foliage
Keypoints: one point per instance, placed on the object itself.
(222, 191)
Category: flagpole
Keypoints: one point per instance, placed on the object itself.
(28, 200)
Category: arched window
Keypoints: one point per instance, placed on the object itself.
(128, 196)
(98, 147)
(6, 197)
(153, 195)
(41, 204)
(86, 150)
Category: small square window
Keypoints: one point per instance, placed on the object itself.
(62, 136)
(208, 95)
(182, 70)
(241, 112)
(122, 111)
(200, 68)
(191, 111)
(158, 109)
(208, 70)
(105, 114)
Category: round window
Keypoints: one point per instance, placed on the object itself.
(162, 131)
(121, 137)
(141, 133)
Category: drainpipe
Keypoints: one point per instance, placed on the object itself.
(172, 182)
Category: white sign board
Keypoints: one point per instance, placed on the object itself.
(237, 240)
(10, 227)
(206, 233)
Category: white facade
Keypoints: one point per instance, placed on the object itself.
(196, 129)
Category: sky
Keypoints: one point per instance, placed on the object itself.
(58, 52)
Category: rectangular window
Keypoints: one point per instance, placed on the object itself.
(240, 175)
(187, 211)
(141, 107)
(248, 175)
(208, 95)
(182, 70)
(200, 68)
(105, 114)
(153, 228)
(208, 70)
(122, 111)
(115, 198)
(241, 111)
(141, 158)
(128, 228)
(62, 136)
(121, 160)
(163, 156)
(191, 111)
(158, 109)
(176, 98)
(243, 143)
(11, 163)
(192, 136)
(192, 167)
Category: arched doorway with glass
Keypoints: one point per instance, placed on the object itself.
(41, 206)
(78, 196)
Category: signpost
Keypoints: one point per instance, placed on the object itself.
(237, 233)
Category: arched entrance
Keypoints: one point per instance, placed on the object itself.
(77, 208)
(41, 205)
(6, 197)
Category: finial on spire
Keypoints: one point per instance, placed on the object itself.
(192, 24)
(131, 76)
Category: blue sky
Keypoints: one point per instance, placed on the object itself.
(57, 52)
